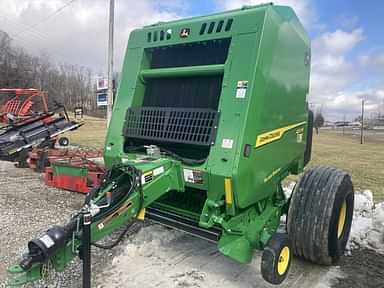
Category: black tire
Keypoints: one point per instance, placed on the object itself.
(272, 257)
(63, 141)
(42, 162)
(315, 213)
(22, 159)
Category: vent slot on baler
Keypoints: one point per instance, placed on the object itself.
(179, 111)
(183, 92)
(190, 54)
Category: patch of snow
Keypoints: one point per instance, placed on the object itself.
(368, 223)
(164, 258)
(288, 189)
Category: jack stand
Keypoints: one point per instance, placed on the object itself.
(86, 249)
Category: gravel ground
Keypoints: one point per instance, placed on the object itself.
(28, 208)
(153, 257)
(364, 269)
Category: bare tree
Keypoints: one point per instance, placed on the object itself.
(68, 84)
(318, 121)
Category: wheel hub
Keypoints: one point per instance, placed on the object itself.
(342, 219)
(284, 258)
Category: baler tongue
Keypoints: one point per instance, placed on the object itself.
(127, 189)
(20, 277)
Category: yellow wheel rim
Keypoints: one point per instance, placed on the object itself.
(342, 219)
(284, 259)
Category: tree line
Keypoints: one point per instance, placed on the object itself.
(66, 84)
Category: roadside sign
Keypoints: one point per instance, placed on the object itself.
(101, 84)
(78, 112)
(102, 99)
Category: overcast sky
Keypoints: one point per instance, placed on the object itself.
(347, 41)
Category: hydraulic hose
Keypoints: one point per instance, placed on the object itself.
(119, 195)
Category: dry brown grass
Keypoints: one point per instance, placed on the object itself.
(365, 162)
(91, 134)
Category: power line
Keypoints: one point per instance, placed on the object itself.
(25, 27)
(35, 34)
(54, 13)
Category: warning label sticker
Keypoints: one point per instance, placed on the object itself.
(146, 177)
(241, 89)
(193, 176)
(227, 143)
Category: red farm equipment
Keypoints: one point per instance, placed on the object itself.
(40, 158)
(28, 123)
(74, 174)
(21, 103)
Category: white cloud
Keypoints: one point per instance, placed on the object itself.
(338, 42)
(302, 8)
(349, 103)
(373, 61)
(334, 74)
(79, 33)
(331, 71)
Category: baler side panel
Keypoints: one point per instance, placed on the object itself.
(222, 161)
(277, 102)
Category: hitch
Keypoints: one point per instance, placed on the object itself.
(120, 199)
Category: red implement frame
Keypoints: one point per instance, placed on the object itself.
(82, 184)
(40, 158)
(20, 105)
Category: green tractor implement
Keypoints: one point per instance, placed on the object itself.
(210, 118)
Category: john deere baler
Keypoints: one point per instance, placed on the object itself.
(210, 118)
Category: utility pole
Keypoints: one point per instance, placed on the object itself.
(362, 122)
(110, 60)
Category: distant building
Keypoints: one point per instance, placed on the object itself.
(329, 124)
(354, 124)
(341, 123)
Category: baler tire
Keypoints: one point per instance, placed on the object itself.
(321, 201)
(276, 259)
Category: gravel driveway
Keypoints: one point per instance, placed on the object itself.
(154, 257)
(28, 208)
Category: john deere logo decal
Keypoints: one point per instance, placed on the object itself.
(184, 33)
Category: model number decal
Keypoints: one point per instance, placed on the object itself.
(274, 135)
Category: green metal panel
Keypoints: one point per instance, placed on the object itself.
(204, 70)
(62, 168)
(261, 133)
(269, 53)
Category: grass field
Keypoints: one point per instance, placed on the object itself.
(364, 162)
(91, 134)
